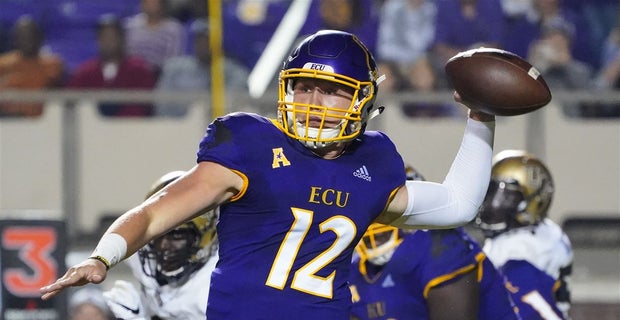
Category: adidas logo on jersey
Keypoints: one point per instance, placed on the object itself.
(362, 173)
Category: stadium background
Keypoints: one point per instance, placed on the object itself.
(74, 166)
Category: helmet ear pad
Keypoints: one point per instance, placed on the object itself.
(368, 109)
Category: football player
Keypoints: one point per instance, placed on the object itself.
(296, 193)
(425, 274)
(532, 251)
(173, 271)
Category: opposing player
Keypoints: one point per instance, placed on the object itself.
(529, 248)
(297, 193)
(425, 274)
(173, 271)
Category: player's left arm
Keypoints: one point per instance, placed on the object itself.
(204, 187)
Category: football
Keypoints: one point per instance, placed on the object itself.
(497, 82)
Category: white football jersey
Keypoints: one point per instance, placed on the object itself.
(545, 246)
(186, 302)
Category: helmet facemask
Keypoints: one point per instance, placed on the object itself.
(519, 195)
(378, 245)
(173, 257)
(503, 203)
(295, 118)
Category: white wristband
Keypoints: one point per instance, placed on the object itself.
(112, 248)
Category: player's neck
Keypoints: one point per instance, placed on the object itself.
(330, 152)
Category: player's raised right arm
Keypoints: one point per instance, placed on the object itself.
(455, 201)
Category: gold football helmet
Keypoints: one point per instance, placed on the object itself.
(378, 245)
(413, 174)
(173, 257)
(519, 194)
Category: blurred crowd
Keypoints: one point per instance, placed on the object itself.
(164, 45)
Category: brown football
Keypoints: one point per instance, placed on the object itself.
(497, 82)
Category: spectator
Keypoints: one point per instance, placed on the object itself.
(610, 50)
(3, 40)
(256, 21)
(551, 11)
(360, 17)
(113, 69)
(530, 249)
(69, 24)
(195, 10)
(27, 67)
(88, 304)
(600, 18)
(463, 25)
(607, 78)
(193, 72)
(153, 35)
(198, 10)
(551, 55)
(406, 32)
(521, 25)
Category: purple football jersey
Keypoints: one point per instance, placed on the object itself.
(423, 260)
(286, 241)
(532, 289)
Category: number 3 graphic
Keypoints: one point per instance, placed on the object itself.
(34, 246)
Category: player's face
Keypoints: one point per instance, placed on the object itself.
(502, 200)
(336, 97)
(110, 42)
(170, 248)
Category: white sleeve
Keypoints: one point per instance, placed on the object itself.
(454, 202)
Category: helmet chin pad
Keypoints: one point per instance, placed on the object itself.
(383, 253)
(314, 138)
